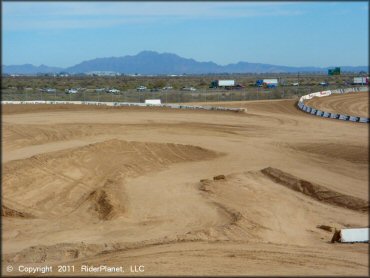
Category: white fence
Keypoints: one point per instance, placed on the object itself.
(325, 114)
(175, 106)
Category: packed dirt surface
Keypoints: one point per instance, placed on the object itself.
(181, 192)
(352, 104)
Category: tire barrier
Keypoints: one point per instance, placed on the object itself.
(130, 104)
(319, 113)
(364, 120)
(334, 115)
(326, 114)
(353, 119)
(330, 115)
(343, 117)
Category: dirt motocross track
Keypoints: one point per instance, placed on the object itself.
(132, 186)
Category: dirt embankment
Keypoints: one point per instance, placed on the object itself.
(316, 191)
(8, 212)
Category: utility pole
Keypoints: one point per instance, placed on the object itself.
(298, 84)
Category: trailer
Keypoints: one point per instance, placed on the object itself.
(268, 83)
(360, 81)
(222, 83)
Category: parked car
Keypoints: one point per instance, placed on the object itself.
(71, 91)
(113, 91)
(141, 88)
(48, 90)
(188, 89)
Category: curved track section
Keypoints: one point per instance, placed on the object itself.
(343, 107)
(356, 104)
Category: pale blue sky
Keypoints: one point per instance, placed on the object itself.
(283, 33)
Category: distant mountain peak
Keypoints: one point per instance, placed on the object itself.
(147, 52)
(152, 62)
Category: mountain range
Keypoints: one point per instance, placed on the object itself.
(153, 63)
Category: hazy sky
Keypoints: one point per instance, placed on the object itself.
(283, 33)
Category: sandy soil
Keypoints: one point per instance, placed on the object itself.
(131, 186)
(353, 104)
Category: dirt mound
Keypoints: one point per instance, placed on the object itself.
(316, 191)
(102, 204)
(105, 203)
(219, 177)
(89, 180)
(8, 212)
(325, 228)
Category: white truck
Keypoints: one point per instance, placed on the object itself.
(222, 83)
(360, 80)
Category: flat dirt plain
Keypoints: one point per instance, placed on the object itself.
(86, 185)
